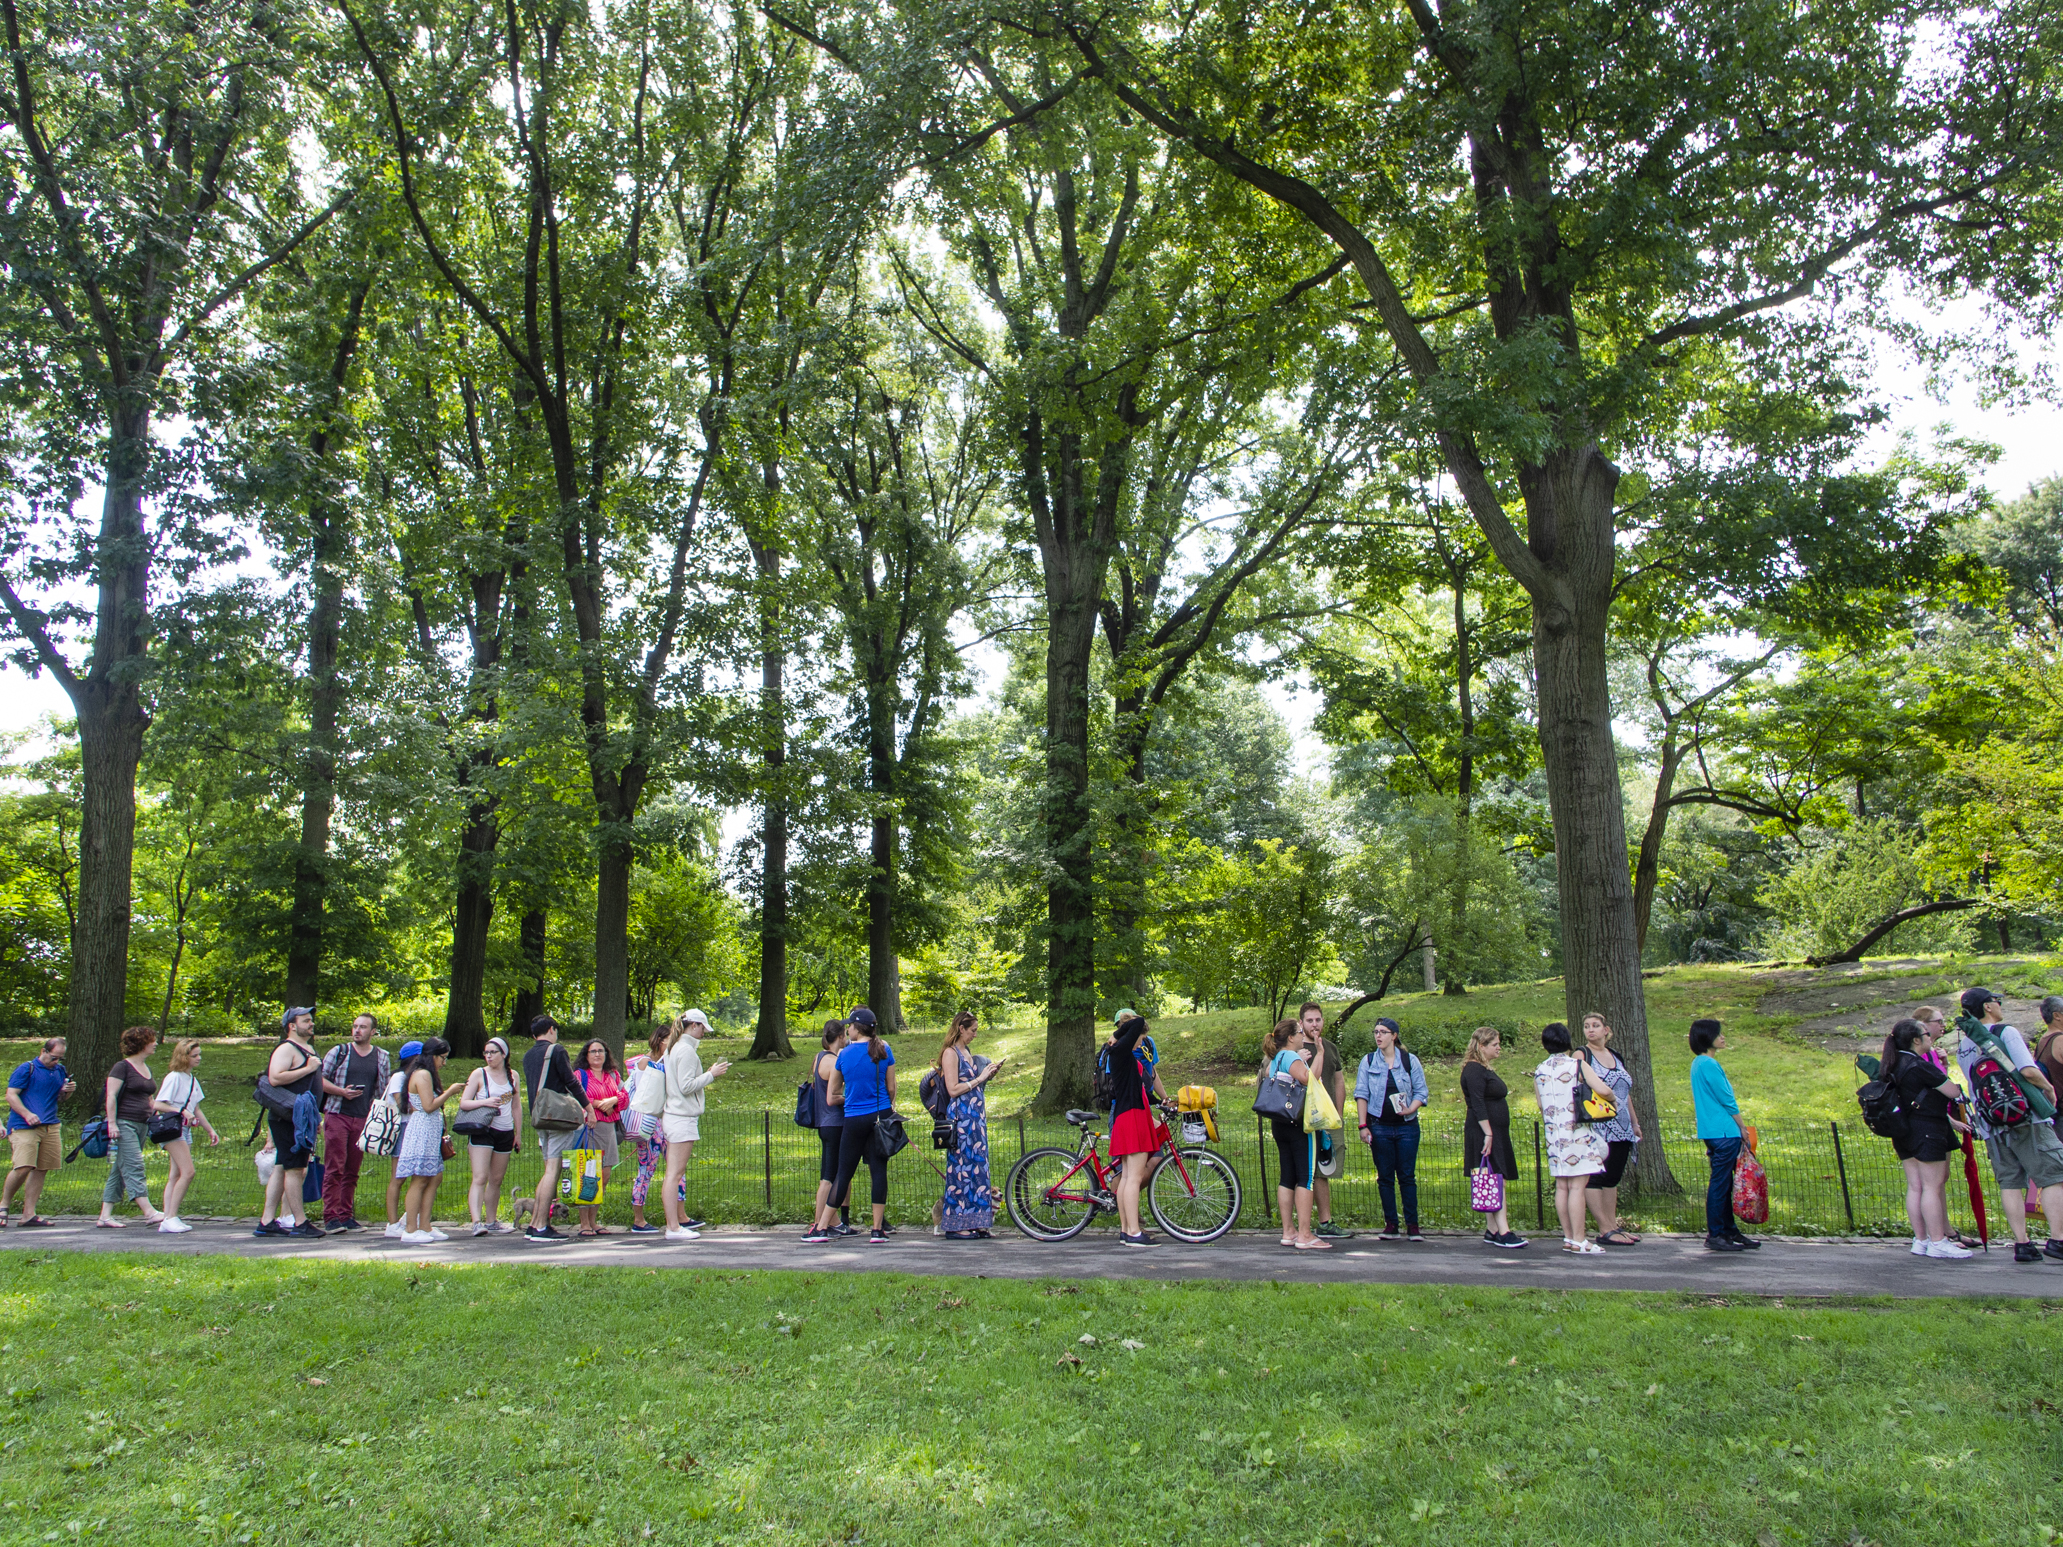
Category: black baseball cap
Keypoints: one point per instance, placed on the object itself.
(861, 1016)
(1975, 999)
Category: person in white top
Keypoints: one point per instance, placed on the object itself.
(181, 1095)
(395, 1082)
(492, 1087)
(685, 1083)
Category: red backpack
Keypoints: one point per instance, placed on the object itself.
(1996, 1090)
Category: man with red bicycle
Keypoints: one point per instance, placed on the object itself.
(1135, 1132)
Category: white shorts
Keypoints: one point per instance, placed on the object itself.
(682, 1130)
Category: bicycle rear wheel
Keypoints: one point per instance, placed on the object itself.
(1201, 1207)
(1040, 1205)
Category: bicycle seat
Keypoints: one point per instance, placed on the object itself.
(1082, 1119)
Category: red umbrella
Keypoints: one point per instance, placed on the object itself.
(1976, 1191)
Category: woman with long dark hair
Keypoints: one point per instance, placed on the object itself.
(130, 1090)
(421, 1160)
(862, 1085)
(830, 1119)
(601, 1085)
(1927, 1097)
(492, 1088)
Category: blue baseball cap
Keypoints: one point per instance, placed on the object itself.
(410, 1050)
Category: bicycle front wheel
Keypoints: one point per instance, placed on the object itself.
(1045, 1201)
(1194, 1195)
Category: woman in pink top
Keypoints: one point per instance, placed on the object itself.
(602, 1083)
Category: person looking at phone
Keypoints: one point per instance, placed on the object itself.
(1389, 1091)
(1286, 1058)
(33, 1132)
(1134, 1131)
(354, 1072)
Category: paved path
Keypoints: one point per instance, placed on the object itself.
(1793, 1268)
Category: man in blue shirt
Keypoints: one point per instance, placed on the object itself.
(33, 1092)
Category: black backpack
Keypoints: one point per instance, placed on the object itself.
(932, 1094)
(1103, 1084)
(1881, 1112)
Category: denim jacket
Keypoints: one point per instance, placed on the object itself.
(1372, 1081)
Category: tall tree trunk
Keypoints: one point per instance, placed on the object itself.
(770, 1036)
(1464, 776)
(1569, 513)
(530, 997)
(108, 702)
(1122, 950)
(613, 861)
(465, 1021)
(884, 978)
(1070, 886)
(319, 777)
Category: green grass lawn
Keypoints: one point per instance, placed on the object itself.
(212, 1401)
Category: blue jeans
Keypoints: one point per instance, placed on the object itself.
(1395, 1149)
(1719, 1218)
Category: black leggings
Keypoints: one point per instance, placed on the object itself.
(856, 1140)
(827, 1162)
(1293, 1149)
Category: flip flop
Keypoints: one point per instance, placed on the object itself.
(111, 1224)
(1312, 1246)
(33, 1220)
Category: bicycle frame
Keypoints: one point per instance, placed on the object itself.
(1089, 1153)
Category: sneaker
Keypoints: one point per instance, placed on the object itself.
(1141, 1239)
(394, 1231)
(682, 1233)
(693, 1224)
(1723, 1243)
(415, 1238)
(308, 1229)
(1920, 1245)
(1389, 1233)
(816, 1237)
(481, 1227)
(348, 1222)
(2053, 1248)
(876, 1237)
(534, 1233)
(646, 1229)
(844, 1229)
(1414, 1238)
(1949, 1249)
(1511, 1241)
(886, 1230)
(1747, 1243)
(1332, 1232)
(2026, 1251)
(270, 1228)
(172, 1224)
(503, 1227)
(1492, 1238)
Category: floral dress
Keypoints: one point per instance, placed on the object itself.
(1573, 1148)
(970, 1202)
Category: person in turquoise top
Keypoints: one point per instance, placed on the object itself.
(1719, 1125)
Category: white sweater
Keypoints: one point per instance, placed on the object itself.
(685, 1080)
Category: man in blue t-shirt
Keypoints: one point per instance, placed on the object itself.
(33, 1092)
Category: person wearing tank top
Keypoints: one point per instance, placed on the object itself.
(492, 1087)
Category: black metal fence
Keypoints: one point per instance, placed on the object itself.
(756, 1167)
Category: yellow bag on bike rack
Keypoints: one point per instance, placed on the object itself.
(1198, 1105)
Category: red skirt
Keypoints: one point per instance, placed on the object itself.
(1134, 1133)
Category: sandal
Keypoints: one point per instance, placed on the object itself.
(1312, 1246)
(1289, 1240)
(32, 1220)
(1619, 1238)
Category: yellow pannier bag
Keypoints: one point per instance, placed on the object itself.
(1198, 1105)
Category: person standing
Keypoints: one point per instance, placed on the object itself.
(130, 1088)
(1332, 1074)
(2023, 1155)
(1575, 1151)
(862, 1086)
(970, 1193)
(1134, 1133)
(1389, 1091)
(1607, 1071)
(601, 1087)
(686, 1081)
(1719, 1126)
(294, 1071)
(491, 1087)
(34, 1135)
(397, 1099)
(181, 1096)
(2049, 1052)
(830, 1119)
(354, 1072)
(1926, 1096)
(421, 1161)
(1287, 1060)
(1486, 1100)
(645, 1076)
(546, 1064)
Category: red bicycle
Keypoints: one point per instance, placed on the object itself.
(1053, 1192)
